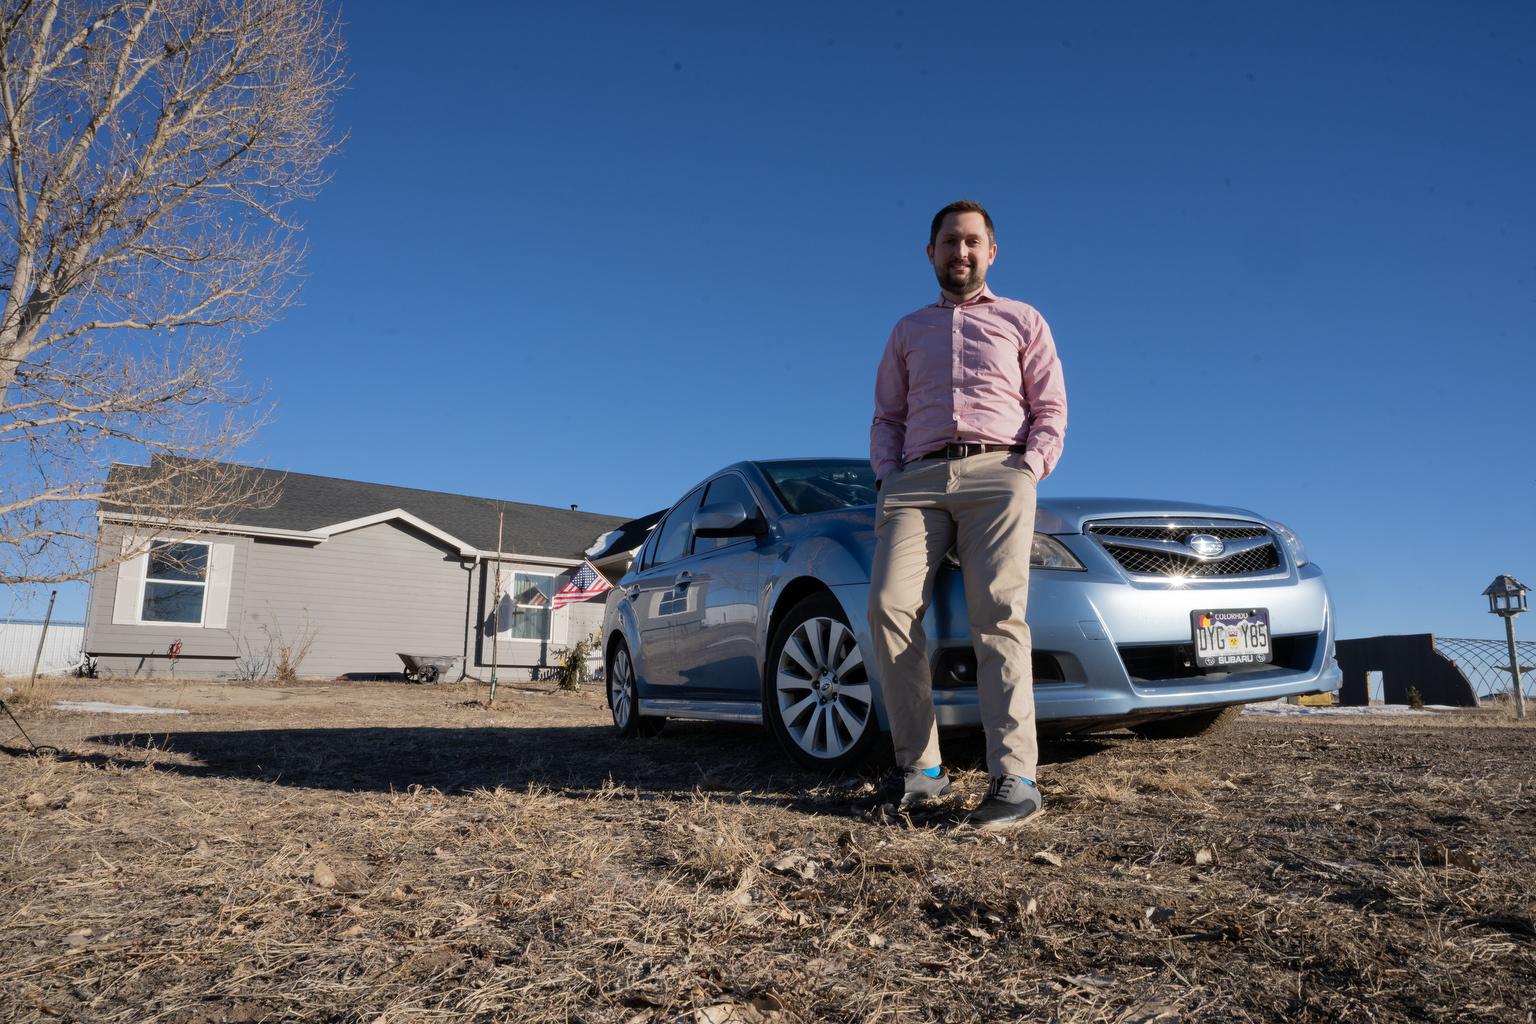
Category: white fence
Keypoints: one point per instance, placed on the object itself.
(18, 646)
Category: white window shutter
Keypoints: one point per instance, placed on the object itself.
(130, 585)
(221, 566)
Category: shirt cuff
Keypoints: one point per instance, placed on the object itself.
(1036, 463)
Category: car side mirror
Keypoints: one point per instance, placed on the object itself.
(724, 519)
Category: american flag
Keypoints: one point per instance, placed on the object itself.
(585, 583)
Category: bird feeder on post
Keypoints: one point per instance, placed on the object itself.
(1506, 599)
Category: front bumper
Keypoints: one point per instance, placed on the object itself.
(1085, 620)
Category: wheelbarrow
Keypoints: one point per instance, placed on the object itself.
(427, 668)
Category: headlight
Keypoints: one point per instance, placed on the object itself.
(1293, 543)
(1045, 553)
(1049, 553)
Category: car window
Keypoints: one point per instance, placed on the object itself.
(727, 487)
(820, 485)
(643, 556)
(675, 530)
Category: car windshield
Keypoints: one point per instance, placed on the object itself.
(820, 485)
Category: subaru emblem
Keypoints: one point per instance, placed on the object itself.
(1205, 546)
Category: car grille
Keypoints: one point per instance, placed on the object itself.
(1156, 663)
(1121, 539)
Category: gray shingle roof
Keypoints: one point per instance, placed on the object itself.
(306, 502)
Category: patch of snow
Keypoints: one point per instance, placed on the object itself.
(601, 543)
(1280, 707)
(100, 707)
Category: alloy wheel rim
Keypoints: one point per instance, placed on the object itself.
(822, 688)
(618, 688)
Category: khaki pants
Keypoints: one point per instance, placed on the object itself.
(985, 507)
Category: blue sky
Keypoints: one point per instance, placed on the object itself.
(590, 253)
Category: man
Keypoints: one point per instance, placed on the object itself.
(970, 413)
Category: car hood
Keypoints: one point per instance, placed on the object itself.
(1067, 515)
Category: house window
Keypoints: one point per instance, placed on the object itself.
(175, 582)
(531, 594)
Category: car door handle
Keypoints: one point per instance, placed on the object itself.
(683, 579)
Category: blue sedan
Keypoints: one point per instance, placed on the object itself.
(747, 601)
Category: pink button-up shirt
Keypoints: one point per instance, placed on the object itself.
(983, 371)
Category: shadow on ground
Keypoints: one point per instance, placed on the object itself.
(709, 758)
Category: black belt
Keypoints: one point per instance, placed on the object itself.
(965, 451)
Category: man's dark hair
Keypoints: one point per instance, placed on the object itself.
(962, 206)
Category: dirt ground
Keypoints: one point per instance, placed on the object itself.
(378, 852)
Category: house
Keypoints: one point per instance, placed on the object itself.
(342, 572)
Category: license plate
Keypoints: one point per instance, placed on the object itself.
(1237, 636)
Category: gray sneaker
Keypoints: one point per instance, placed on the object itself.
(912, 788)
(1010, 800)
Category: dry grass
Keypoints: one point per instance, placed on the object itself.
(380, 853)
(23, 693)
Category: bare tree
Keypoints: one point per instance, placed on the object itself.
(150, 156)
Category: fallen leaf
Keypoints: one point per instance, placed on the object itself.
(876, 940)
(323, 876)
(1203, 855)
(1029, 907)
(728, 1013)
(1046, 857)
(796, 864)
(36, 801)
(979, 933)
(353, 932)
(1158, 915)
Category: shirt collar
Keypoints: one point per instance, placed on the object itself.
(985, 295)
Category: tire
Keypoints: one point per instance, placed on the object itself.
(1188, 727)
(817, 697)
(624, 695)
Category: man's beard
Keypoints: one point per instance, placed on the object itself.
(961, 280)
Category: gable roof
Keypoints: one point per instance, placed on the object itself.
(304, 502)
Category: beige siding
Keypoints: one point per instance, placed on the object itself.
(364, 595)
(129, 647)
(568, 625)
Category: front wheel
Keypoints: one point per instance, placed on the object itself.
(624, 695)
(817, 695)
